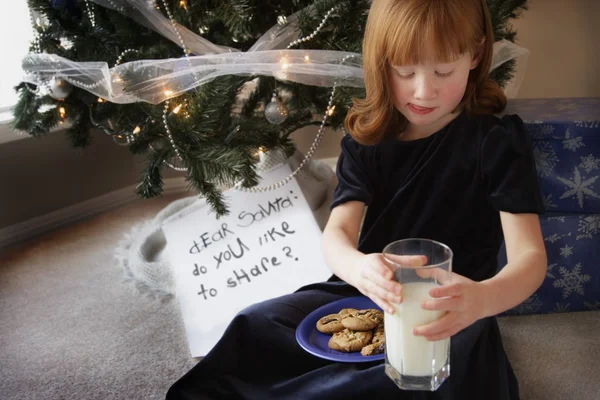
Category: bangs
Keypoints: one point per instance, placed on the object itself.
(438, 32)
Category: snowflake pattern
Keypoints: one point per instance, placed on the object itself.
(568, 164)
(530, 306)
(587, 124)
(578, 187)
(589, 225)
(589, 163)
(592, 306)
(545, 158)
(561, 219)
(548, 204)
(555, 237)
(572, 143)
(562, 308)
(539, 130)
(549, 273)
(566, 251)
(571, 281)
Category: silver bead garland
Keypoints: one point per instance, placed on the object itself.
(90, 11)
(186, 51)
(315, 143)
(120, 9)
(309, 153)
(312, 35)
(320, 134)
(37, 49)
(171, 140)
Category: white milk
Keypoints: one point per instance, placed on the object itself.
(409, 354)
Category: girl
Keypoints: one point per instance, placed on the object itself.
(429, 160)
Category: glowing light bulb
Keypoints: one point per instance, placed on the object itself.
(177, 109)
(284, 63)
(331, 111)
(137, 130)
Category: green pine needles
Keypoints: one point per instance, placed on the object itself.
(216, 135)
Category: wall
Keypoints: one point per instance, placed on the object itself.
(563, 38)
(40, 176)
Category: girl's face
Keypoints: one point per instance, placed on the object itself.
(426, 94)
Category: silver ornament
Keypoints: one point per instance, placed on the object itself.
(276, 112)
(59, 88)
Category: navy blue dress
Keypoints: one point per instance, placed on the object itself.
(447, 187)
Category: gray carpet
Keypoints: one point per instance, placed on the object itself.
(70, 329)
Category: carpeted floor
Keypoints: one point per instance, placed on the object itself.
(70, 329)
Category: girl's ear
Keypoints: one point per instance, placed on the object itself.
(478, 54)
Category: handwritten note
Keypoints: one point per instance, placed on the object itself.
(268, 246)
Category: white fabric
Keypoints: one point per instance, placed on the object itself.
(159, 80)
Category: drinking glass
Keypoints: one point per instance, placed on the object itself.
(413, 362)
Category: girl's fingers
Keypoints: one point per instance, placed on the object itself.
(439, 274)
(381, 269)
(413, 261)
(454, 289)
(443, 335)
(438, 326)
(447, 304)
(394, 288)
(378, 291)
(384, 305)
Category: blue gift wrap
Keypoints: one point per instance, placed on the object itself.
(565, 134)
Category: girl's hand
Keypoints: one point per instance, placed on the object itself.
(373, 278)
(464, 302)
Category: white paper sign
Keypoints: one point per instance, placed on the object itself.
(268, 246)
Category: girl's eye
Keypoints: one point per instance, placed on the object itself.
(443, 74)
(405, 76)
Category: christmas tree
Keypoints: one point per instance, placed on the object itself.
(188, 112)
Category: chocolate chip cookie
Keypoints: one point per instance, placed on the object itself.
(329, 324)
(348, 341)
(379, 334)
(372, 349)
(363, 320)
(347, 311)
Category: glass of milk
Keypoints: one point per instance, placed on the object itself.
(412, 362)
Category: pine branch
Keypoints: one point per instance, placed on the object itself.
(152, 184)
(236, 16)
(27, 115)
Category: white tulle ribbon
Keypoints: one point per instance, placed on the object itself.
(160, 80)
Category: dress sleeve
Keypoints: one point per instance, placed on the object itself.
(508, 168)
(352, 173)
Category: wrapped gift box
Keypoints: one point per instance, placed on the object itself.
(565, 135)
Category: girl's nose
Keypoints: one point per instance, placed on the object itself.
(425, 89)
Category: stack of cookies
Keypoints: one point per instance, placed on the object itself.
(354, 330)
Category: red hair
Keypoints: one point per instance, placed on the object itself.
(395, 34)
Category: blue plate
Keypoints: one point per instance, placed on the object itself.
(315, 342)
